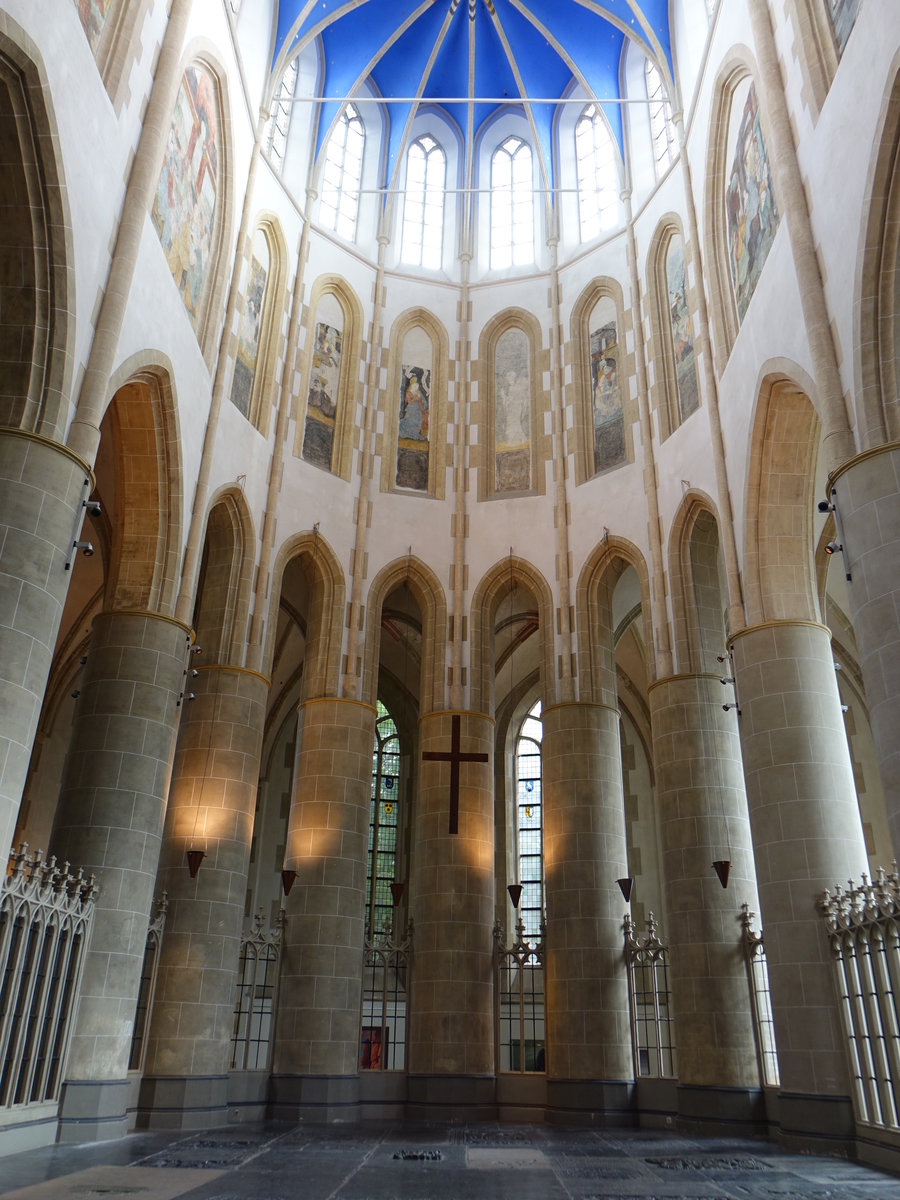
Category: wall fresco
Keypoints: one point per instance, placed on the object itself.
(93, 14)
(250, 327)
(512, 412)
(682, 333)
(184, 207)
(607, 419)
(322, 400)
(751, 211)
(843, 15)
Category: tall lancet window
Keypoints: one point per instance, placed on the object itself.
(250, 326)
(529, 823)
(662, 129)
(423, 204)
(383, 812)
(279, 123)
(324, 384)
(413, 441)
(512, 412)
(342, 175)
(607, 420)
(597, 176)
(512, 205)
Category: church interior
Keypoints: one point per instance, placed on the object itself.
(450, 574)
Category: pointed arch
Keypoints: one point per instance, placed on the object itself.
(37, 291)
(492, 589)
(601, 364)
(877, 307)
(140, 480)
(222, 600)
(779, 540)
(330, 373)
(675, 393)
(696, 514)
(259, 329)
(736, 243)
(511, 405)
(321, 664)
(430, 597)
(595, 622)
(397, 448)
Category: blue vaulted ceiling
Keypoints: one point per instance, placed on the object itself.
(520, 49)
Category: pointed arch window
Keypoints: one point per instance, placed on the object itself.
(529, 822)
(383, 813)
(662, 128)
(423, 204)
(343, 174)
(512, 205)
(279, 122)
(597, 176)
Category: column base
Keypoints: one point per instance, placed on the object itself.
(807, 1122)
(605, 1104)
(451, 1098)
(314, 1099)
(182, 1102)
(715, 1110)
(93, 1110)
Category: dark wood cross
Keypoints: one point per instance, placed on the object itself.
(454, 757)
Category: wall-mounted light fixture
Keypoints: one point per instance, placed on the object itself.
(194, 859)
(836, 546)
(626, 886)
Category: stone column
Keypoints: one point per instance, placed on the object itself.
(316, 1069)
(807, 836)
(589, 1059)
(212, 800)
(868, 498)
(42, 486)
(451, 1035)
(703, 817)
(110, 821)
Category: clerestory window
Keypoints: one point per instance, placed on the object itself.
(597, 175)
(423, 205)
(662, 128)
(512, 205)
(279, 122)
(343, 174)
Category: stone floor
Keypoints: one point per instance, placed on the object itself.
(433, 1162)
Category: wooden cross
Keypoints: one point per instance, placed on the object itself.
(454, 757)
